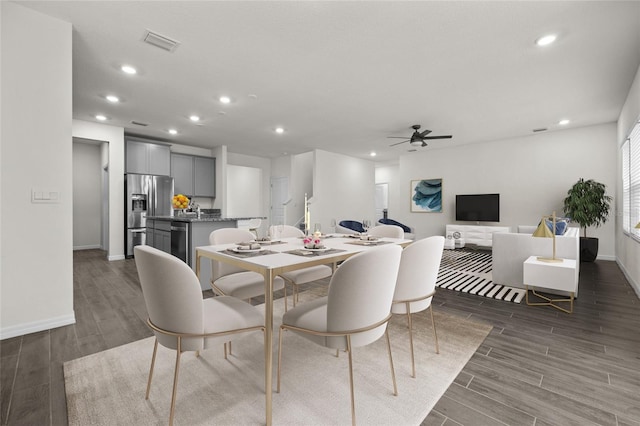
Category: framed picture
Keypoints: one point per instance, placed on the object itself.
(426, 196)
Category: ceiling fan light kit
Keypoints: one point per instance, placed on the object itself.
(418, 138)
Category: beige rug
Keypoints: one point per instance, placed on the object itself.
(108, 388)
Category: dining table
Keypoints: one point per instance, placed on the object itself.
(275, 257)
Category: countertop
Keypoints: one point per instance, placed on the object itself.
(203, 218)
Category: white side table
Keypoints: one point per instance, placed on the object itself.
(553, 276)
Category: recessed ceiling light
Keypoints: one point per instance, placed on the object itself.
(101, 117)
(563, 122)
(225, 99)
(373, 154)
(279, 130)
(194, 118)
(128, 69)
(173, 131)
(113, 98)
(546, 40)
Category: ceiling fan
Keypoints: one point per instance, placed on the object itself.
(418, 138)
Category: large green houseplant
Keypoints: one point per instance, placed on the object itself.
(588, 205)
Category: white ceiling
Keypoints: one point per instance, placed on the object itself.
(342, 76)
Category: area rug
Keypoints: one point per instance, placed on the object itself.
(469, 271)
(108, 388)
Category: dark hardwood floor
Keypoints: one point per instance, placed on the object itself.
(538, 366)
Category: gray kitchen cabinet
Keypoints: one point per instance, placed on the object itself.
(162, 236)
(204, 176)
(194, 175)
(182, 173)
(147, 158)
(151, 224)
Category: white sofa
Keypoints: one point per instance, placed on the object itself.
(510, 250)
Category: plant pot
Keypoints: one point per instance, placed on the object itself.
(588, 249)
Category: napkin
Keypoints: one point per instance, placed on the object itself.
(248, 246)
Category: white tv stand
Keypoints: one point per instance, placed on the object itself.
(475, 235)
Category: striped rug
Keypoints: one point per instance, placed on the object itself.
(469, 271)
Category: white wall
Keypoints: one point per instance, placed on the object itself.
(343, 188)
(244, 190)
(532, 175)
(36, 278)
(114, 136)
(627, 249)
(87, 196)
(300, 183)
(388, 173)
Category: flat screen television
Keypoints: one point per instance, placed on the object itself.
(478, 207)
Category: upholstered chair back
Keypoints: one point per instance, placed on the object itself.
(418, 273)
(287, 231)
(227, 236)
(360, 295)
(353, 225)
(172, 294)
(389, 231)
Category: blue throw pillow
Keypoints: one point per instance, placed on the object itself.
(561, 225)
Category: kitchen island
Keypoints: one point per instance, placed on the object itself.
(180, 235)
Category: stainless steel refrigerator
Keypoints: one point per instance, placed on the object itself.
(145, 195)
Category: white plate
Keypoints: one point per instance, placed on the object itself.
(317, 249)
(267, 242)
(237, 250)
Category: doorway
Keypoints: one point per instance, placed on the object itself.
(279, 195)
(90, 194)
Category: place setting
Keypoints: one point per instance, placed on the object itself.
(248, 249)
(313, 246)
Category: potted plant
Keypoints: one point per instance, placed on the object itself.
(588, 205)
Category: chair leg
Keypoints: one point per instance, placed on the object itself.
(285, 297)
(225, 350)
(153, 362)
(393, 373)
(279, 358)
(175, 381)
(435, 335)
(353, 403)
(410, 325)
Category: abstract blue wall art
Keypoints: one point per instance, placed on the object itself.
(426, 196)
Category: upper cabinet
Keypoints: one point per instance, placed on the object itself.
(146, 157)
(193, 175)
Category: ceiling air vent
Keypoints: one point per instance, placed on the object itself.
(160, 41)
(138, 123)
(541, 129)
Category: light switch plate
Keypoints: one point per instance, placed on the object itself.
(40, 196)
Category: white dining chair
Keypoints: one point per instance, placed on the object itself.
(254, 225)
(180, 319)
(229, 280)
(416, 283)
(301, 276)
(355, 313)
(388, 231)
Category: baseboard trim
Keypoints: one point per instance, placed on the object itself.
(115, 257)
(606, 257)
(634, 285)
(91, 247)
(35, 326)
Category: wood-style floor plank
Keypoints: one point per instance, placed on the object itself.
(538, 366)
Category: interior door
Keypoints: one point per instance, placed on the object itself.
(382, 195)
(279, 194)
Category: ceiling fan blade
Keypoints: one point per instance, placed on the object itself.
(397, 137)
(439, 137)
(394, 144)
(425, 133)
